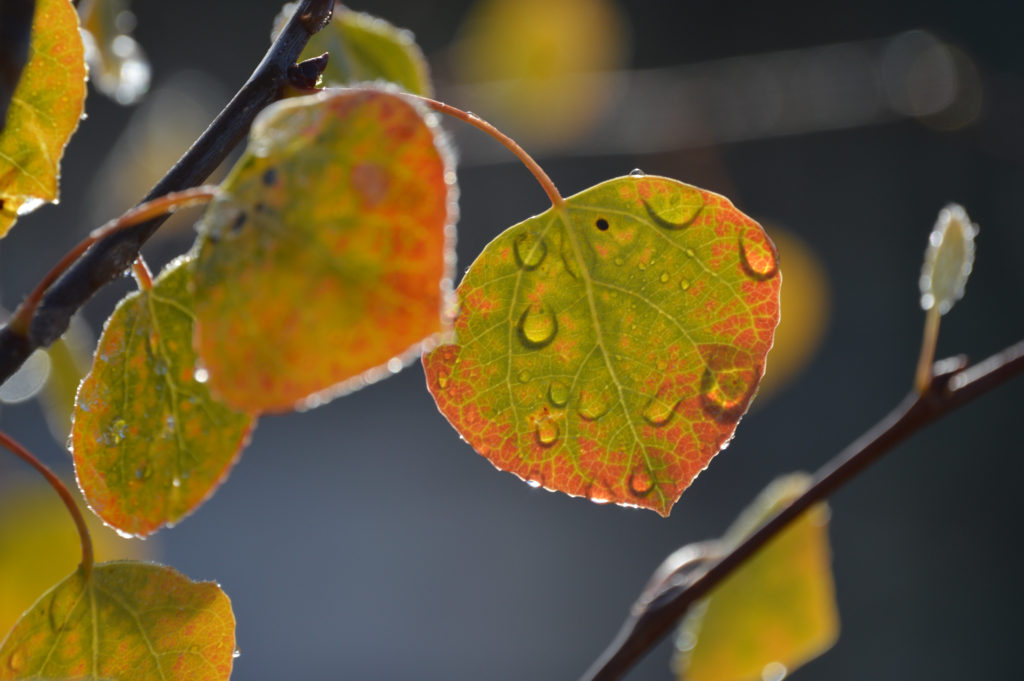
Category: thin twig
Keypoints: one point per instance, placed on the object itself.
(952, 386)
(62, 491)
(110, 257)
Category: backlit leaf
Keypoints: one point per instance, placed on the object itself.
(775, 612)
(39, 545)
(948, 259)
(149, 442)
(366, 48)
(129, 621)
(70, 360)
(43, 113)
(329, 252)
(608, 349)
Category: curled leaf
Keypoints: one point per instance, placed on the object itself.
(775, 612)
(948, 259)
(126, 622)
(608, 348)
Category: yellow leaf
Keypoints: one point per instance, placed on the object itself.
(43, 114)
(777, 611)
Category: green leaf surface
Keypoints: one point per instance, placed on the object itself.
(127, 622)
(366, 48)
(327, 259)
(43, 112)
(948, 260)
(149, 442)
(774, 613)
(608, 349)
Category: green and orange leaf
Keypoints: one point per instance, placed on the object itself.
(774, 613)
(126, 622)
(44, 112)
(327, 260)
(150, 444)
(608, 348)
(365, 48)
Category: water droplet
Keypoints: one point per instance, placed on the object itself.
(537, 326)
(690, 254)
(728, 383)
(619, 261)
(774, 671)
(594, 404)
(663, 278)
(176, 481)
(547, 431)
(394, 365)
(659, 411)
(442, 378)
(641, 482)
(758, 256)
(684, 284)
(530, 250)
(524, 376)
(17, 660)
(636, 172)
(201, 375)
(115, 432)
(678, 212)
(558, 393)
(62, 603)
(236, 653)
(533, 483)
(143, 472)
(167, 432)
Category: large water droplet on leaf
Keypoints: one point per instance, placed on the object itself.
(530, 250)
(547, 431)
(636, 172)
(757, 255)
(682, 209)
(558, 393)
(537, 326)
(16, 661)
(659, 411)
(728, 383)
(594, 404)
(641, 482)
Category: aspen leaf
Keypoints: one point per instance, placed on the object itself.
(149, 442)
(328, 255)
(607, 349)
(39, 545)
(127, 622)
(948, 259)
(366, 48)
(43, 112)
(775, 612)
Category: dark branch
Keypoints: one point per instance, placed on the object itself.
(15, 37)
(109, 258)
(953, 385)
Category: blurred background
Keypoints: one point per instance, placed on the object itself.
(364, 539)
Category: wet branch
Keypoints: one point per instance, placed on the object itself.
(108, 259)
(654, 615)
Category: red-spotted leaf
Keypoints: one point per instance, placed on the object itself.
(328, 254)
(608, 348)
(43, 112)
(149, 442)
(127, 622)
(777, 611)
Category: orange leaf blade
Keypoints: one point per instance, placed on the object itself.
(608, 350)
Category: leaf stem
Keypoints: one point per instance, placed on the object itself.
(923, 377)
(141, 272)
(542, 177)
(951, 386)
(22, 317)
(110, 257)
(65, 495)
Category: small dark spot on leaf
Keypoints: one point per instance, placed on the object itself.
(601, 224)
(270, 177)
(238, 223)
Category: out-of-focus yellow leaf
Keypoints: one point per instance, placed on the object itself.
(70, 358)
(777, 611)
(39, 545)
(805, 303)
(948, 260)
(127, 621)
(530, 60)
(117, 64)
(43, 113)
(365, 48)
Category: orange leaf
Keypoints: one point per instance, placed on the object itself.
(607, 349)
(329, 253)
